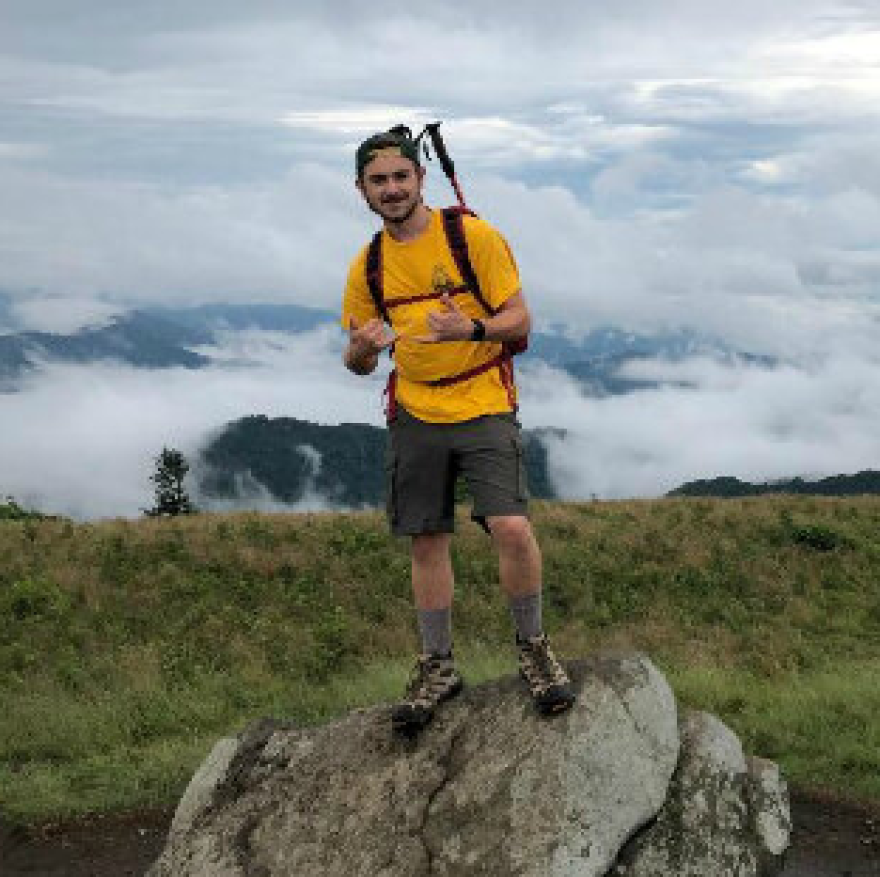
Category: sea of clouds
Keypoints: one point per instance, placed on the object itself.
(80, 440)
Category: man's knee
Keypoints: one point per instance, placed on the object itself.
(512, 532)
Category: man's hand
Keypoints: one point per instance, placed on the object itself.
(365, 344)
(449, 324)
(371, 338)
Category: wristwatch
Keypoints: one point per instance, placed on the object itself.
(479, 332)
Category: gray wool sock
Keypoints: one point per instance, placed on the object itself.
(526, 612)
(435, 627)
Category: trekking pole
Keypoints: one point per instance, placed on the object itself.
(433, 130)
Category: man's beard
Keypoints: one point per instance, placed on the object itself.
(396, 220)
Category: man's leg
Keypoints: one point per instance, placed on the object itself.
(435, 678)
(519, 560)
(421, 506)
(490, 456)
(432, 584)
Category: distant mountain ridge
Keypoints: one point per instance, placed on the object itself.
(864, 482)
(597, 360)
(140, 339)
(212, 318)
(163, 337)
(291, 459)
(158, 337)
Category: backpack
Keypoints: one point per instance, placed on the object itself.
(453, 226)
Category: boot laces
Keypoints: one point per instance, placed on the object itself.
(540, 658)
(421, 676)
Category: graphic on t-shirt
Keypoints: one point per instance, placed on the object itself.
(440, 280)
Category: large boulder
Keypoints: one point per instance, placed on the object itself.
(490, 788)
(724, 814)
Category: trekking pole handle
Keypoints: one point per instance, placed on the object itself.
(433, 130)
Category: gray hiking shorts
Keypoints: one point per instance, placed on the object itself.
(425, 459)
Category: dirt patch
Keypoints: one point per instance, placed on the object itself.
(832, 838)
(99, 846)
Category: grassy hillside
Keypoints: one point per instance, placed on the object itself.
(128, 647)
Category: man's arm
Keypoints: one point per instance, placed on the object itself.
(512, 321)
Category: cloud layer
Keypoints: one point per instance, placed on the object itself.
(81, 440)
(678, 164)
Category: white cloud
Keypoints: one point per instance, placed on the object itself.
(117, 419)
(61, 314)
(788, 275)
(363, 119)
(851, 53)
(149, 243)
(752, 423)
(21, 151)
(251, 494)
(735, 420)
(735, 264)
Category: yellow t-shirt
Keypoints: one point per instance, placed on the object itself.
(426, 265)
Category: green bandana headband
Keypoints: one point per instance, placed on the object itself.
(396, 143)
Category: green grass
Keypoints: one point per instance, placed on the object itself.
(128, 647)
(821, 726)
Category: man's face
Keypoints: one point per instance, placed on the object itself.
(392, 185)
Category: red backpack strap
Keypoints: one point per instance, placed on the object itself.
(374, 284)
(389, 397)
(502, 362)
(374, 275)
(453, 225)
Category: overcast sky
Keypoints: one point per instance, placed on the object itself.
(705, 165)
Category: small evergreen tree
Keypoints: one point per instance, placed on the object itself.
(10, 510)
(171, 495)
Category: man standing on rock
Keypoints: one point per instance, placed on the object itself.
(449, 288)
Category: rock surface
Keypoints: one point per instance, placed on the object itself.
(490, 788)
(725, 814)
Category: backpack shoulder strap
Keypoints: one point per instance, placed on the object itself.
(374, 275)
(453, 225)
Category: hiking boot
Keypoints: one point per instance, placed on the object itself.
(434, 680)
(547, 680)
